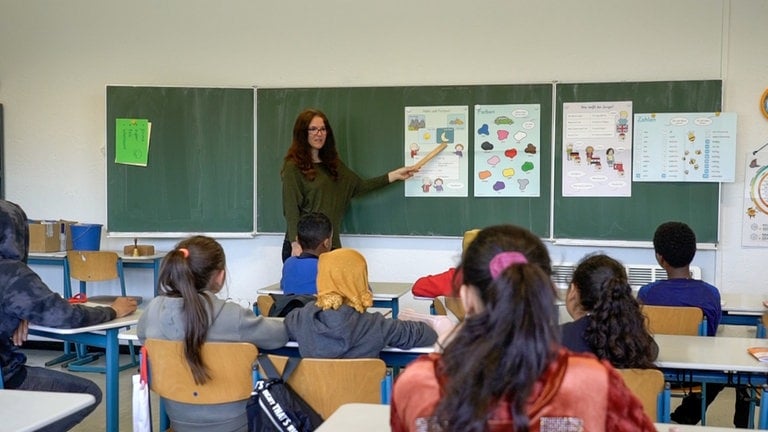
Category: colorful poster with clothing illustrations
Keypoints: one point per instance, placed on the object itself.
(507, 156)
(754, 229)
(436, 138)
(685, 147)
(597, 149)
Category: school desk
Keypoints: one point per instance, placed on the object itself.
(353, 417)
(23, 410)
(103, 335)
(375, 418)
(722, 360)
(385, 294)
(129, 261)
(671, 427)
(742, 309)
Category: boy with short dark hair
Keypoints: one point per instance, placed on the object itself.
(675, 247)
(314, 233)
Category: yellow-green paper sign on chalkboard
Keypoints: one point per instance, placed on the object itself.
(132, 141)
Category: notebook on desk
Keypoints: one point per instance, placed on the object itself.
(760, 353)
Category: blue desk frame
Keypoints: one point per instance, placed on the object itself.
(59, 258)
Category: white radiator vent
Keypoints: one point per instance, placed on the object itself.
(639, 274)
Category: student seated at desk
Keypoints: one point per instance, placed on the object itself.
(675, 246)
(338, 326)
(607, 317)
(24, 299)
(442, 284)
(188, 310)
(300, 272)
(504, 369)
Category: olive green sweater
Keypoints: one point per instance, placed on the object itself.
(323, 194)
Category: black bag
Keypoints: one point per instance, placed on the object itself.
(285, 303)
(274, 406)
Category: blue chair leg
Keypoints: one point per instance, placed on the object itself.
(386, 387)
(762, 420)
(703, 404)
(663, 408)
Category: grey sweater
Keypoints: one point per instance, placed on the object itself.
(163, 319)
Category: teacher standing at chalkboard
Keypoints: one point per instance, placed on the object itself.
(316, 180)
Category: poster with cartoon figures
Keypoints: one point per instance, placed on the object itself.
(507, 141)
(426, 129)
(685, 147)
(754, 229)
(597, 149)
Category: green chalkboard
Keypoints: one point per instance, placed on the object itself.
(368, 124)
(636, 217)
(200, 172)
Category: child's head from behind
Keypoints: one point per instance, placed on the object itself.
(510, 328)
(342, 278)
(675, 242)
(592, 277)
(314, 232)
(506, 278)
(196, 264)
(483, 256)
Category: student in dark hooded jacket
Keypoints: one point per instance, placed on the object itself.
(25, 299)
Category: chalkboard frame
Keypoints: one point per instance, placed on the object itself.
(200, 174)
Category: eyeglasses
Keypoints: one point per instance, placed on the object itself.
(316, 130)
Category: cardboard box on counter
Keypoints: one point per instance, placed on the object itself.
(49, 236)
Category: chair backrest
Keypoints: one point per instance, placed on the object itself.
(326, 384)
(648, 385)
(444, 304)
(229, 364)
(677, 320)
(264, 304)
(93, 266)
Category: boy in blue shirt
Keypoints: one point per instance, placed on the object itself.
(314, 233)
(675, 247)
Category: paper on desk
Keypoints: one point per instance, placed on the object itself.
(760, 353)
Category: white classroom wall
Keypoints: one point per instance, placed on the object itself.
(57, 57)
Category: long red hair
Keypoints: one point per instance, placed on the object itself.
(300, 151)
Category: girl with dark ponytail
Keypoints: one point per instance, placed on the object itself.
(504, 368)
(188, 310)
(607, 318)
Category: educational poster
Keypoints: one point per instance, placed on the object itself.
(754, 229)
(597, 149)
(507, 142)
(437, 137)
(685, 147)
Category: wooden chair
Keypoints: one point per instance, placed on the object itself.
(326, 384)
(229, 363)
(88, 267)
(679, 320)
(264, 303)
(442, 305)
(676, 320)
(649, 386)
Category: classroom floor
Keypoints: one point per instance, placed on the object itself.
(720, 413)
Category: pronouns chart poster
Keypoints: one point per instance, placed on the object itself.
(427, 128)
(507, 150)
(597, 149)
